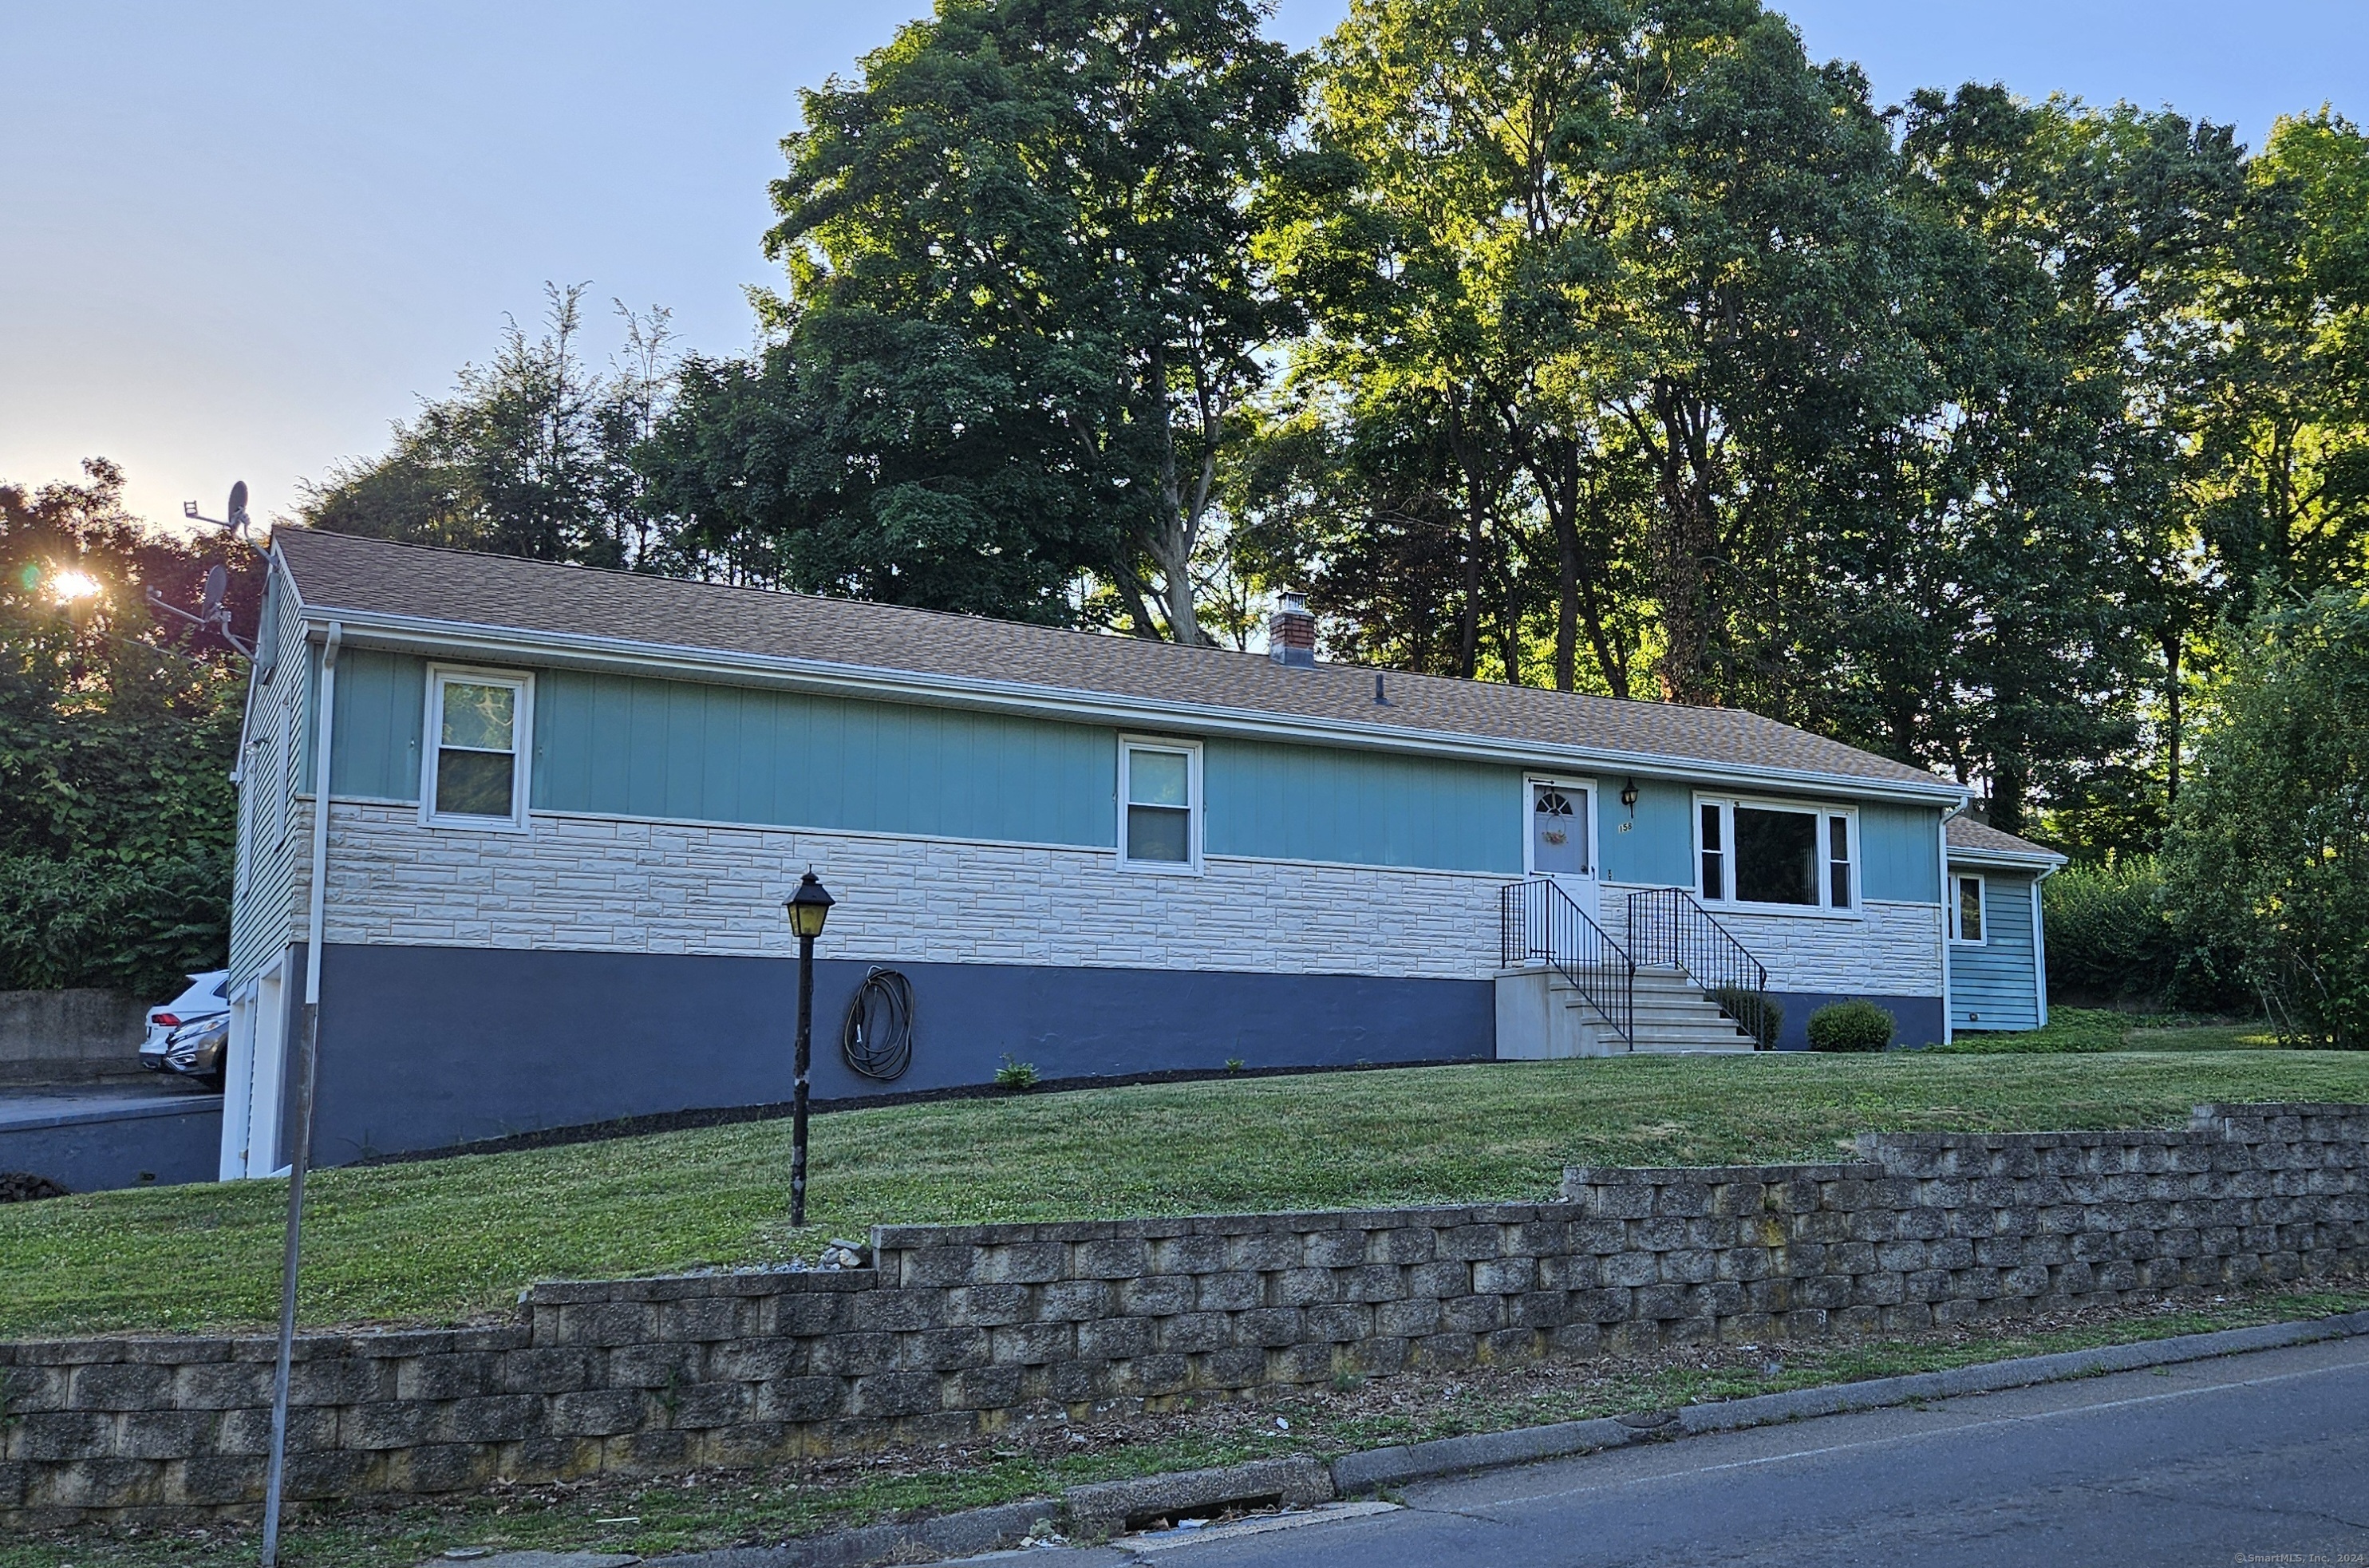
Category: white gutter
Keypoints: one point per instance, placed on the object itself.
(1949, 916)
(414, 634)
(2040, 947)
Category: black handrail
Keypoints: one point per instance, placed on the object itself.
(1667, 929)
(1538, 921)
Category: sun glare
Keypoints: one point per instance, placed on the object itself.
(69, 587)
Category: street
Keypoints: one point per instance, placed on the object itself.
(2258, 1458)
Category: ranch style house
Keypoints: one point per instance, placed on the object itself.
(565, 806)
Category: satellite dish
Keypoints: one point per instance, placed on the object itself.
(238, 506)
(217, 584)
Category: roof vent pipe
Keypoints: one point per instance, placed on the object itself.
(1291, 632)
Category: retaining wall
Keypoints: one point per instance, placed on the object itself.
(70, 1036)
(958, 1330)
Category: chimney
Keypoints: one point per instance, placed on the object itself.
(1291, 632)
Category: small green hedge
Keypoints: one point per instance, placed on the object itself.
(1854, 1026)
(1755, 1013)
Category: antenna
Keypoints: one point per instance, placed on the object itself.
(235, 523)
(214, 615)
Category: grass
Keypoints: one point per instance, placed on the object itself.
(445, 1239)
(2080, 1030)
(707, 1511)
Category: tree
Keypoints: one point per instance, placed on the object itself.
(531, 456)
(1024, 308)
(116, 740)
(2269, 851)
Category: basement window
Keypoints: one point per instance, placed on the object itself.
(475, 774)
(1160, 805)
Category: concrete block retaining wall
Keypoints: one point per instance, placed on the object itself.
(957, 1330)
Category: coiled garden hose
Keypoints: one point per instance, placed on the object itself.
(877, 1040)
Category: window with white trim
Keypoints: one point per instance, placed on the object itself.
(1775, 855)
(476, 772)
(1966, 909)
(1160, 805)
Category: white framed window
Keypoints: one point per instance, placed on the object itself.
(474, 766)
(1560, 840)
(1776, 855)
(1966, 909)
(1160, 805)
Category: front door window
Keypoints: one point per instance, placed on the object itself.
(1558, 830)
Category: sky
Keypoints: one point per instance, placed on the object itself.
(238, 239)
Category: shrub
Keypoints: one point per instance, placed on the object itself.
(2114, 936)
(1016, 1075)
(2268, 851)
(1755, 1013)
(1854, 1026)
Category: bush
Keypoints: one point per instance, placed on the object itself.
(2269, 851)
(1755, 1013)
(2114, 936)
(1016, 1076)
(1854, 1026)
(107, 919)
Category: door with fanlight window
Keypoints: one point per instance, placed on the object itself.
(1559, 841)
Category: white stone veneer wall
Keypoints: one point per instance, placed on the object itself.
(604, 884)
(1888, 950)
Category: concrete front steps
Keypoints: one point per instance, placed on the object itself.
(1542, 1016)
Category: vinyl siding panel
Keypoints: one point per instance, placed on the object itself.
(1361, 808)
(619, 746)
(272, 832)
(381, 715)
(1900, 852)
(1653, 846)
(1992, 985)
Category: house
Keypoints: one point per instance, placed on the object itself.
(566, 806)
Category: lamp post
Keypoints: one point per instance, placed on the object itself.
(808, 907)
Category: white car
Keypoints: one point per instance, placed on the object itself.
(190, 1033)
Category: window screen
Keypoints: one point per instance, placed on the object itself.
(1714, 852)
(1159, 805)
(477, 751)
(1970, 909)
(1839, 862)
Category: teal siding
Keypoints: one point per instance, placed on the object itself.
(1656, 844)
(381, 709)
(1361, 808)
(616, 746)
(1992, 985)
(1900, 850)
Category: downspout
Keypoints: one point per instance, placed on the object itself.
(1948, 893)
(299, 1158)
(2040, 947)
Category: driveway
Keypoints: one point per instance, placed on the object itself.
(2218, 1462)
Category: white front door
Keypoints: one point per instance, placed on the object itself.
(1560, 839)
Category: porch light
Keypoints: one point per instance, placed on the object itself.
(1629, 793)
(809, 907)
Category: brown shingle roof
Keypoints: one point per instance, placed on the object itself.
(1981, 838)
(368, 576)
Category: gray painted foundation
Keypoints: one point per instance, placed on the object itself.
(154, 1136)
(1919, 1017)
(422, 1047)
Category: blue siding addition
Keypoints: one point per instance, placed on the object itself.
(1361, 808)
(621, 746)
(1992, 985)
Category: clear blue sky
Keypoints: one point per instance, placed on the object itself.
(237, 238)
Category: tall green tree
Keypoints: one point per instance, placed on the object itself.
(118, 738)
(1024, 308)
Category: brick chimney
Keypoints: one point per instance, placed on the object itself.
(1291, 632)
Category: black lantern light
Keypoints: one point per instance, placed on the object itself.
(1628, 794)
(808, 907)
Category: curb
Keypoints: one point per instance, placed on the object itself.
(1104, 1506)
(1356, 1474)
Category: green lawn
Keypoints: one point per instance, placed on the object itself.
(442, 1240)
(2083, 1029)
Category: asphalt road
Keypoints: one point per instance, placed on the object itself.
(2246, 1459)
